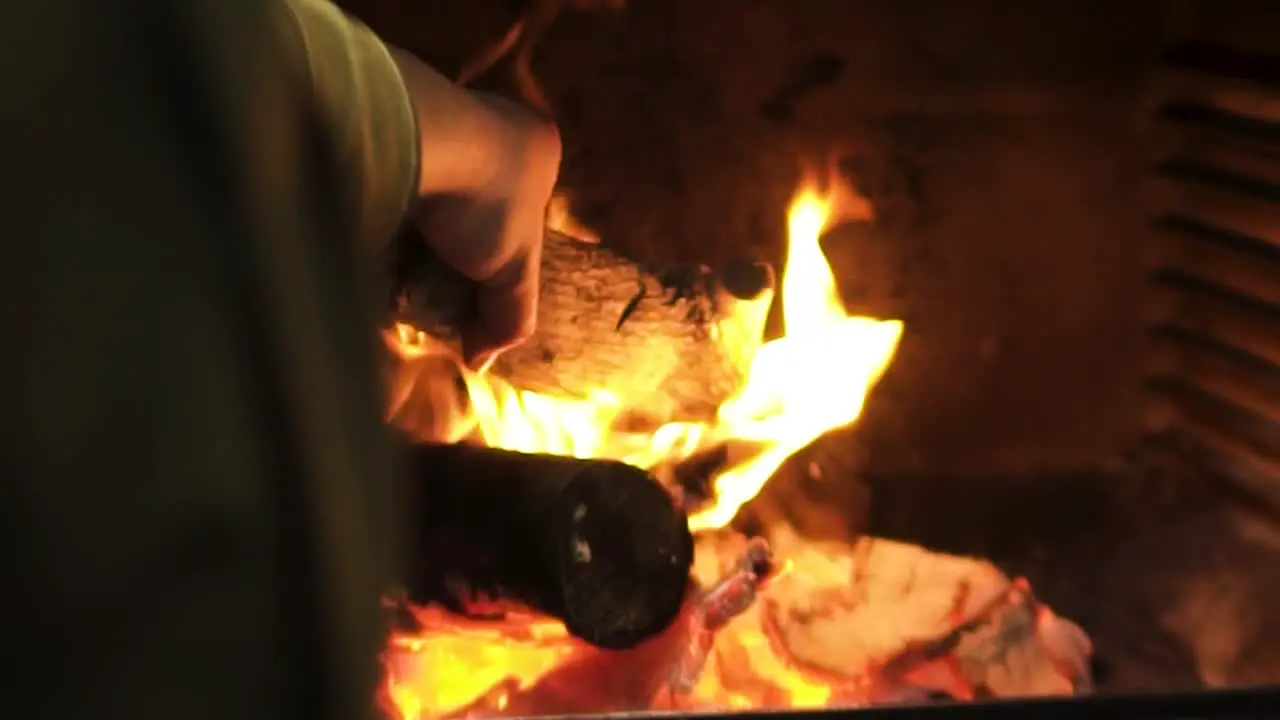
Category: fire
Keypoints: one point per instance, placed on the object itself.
(812, 379)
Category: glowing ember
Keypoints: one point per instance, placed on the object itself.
(724, 651)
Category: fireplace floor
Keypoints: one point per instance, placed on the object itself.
(1177, 590)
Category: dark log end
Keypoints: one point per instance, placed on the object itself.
(625, 565)
(747, 279)
(598, 544)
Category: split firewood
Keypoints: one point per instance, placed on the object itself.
(671, 343)
(597, 544)
(902, 619)
(937, 658)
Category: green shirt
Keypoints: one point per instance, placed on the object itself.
(196, 509)
(364, 103)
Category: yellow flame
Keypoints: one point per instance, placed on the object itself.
(814, 378)
(562, 221)
(811, 380)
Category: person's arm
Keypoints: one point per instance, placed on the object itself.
(199, 510)
(387, 110)
(360, 95)
(405, 133)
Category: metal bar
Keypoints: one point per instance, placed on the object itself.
(1255, 703)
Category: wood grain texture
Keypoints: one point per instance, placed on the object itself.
(671, 342)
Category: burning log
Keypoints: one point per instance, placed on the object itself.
(675, 340)
(656, 673)
(829, 626)
(892, 620)
(597, 544)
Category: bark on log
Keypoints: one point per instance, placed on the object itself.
(598, 544)
(674, 341)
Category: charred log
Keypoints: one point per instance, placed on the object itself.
(674, 340)
(597, 544)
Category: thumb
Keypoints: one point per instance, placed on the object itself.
(507, 310)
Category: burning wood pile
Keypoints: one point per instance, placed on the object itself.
(648, 397)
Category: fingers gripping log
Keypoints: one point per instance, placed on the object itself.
(675, 340)
(598, 544)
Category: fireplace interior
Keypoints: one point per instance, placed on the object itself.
(1073, 208)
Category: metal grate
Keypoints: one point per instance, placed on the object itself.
(1215, 330)
(1258, 703)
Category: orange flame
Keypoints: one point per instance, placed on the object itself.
(811, 380)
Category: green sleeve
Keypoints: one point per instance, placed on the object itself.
(361, 96)
(199, 505)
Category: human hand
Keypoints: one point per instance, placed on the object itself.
(493, 232)
(489, 167)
